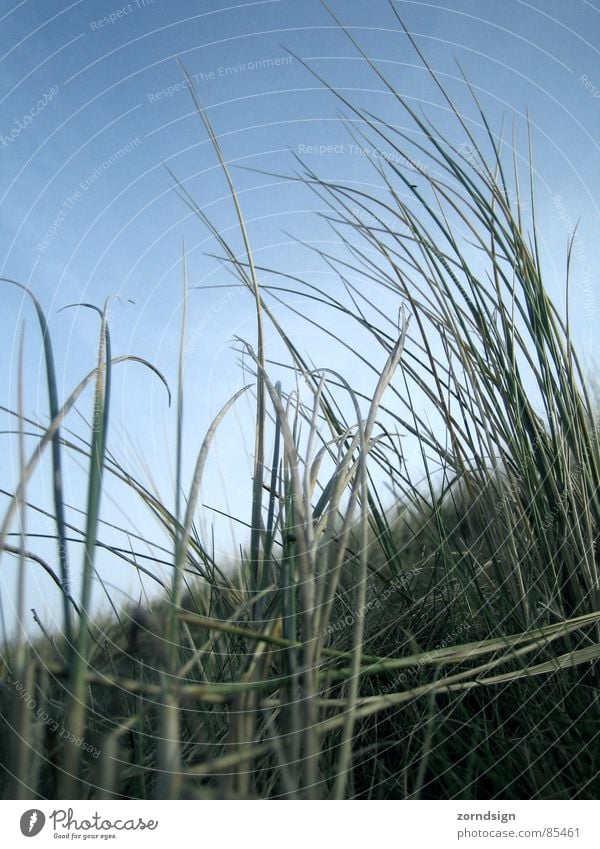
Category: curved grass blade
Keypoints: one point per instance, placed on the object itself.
(59, 508)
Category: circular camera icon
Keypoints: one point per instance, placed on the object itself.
(32, 822)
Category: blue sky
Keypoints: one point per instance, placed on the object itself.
(94, 110)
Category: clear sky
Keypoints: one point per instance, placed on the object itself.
(93, 112)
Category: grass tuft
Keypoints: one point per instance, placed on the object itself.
(417, 611)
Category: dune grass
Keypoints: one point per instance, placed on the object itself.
(442, 643)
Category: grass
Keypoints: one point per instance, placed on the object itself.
(440, 644)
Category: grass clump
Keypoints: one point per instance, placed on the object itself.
(440, 644)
